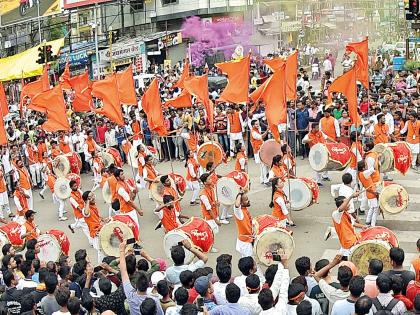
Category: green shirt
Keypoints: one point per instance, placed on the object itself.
(337, 113)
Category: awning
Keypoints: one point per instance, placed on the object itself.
(23, 65)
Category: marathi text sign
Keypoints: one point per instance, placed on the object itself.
(68, 4)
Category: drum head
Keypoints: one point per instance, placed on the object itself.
(180, 183)
(209, 152)
(61, 166)
(75, 177)
(273, 239)
(318, 157)
(107, 158)
(372, 249)
(241, 178)
(386, 160)
(62, 188)
(269, 149)
(49, 248)
(106, 193)
(227, 190)
(298, 193)
(132, 157)
(156, 189)
(171, 239)
(109, 241)
(393, 199)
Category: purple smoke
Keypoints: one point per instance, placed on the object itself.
(208, 38)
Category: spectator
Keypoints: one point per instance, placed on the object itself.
(396, 256)
(205, 289)
(385, 300)
(62, 296)
(181, 298)
(344, 307)
(363, 306)
(375, 268)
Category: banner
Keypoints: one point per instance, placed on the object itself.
(20, 10)
(68, 4)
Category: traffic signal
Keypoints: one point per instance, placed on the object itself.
(49, 53)
(41, 55)
(413, 6)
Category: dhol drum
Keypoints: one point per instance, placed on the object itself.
(66, 163)
(106, 193)
(156, 189)
(154, 153)
(132, 157)
(329, 157)
(301, 192)
(386, 157)
(10, 234)
(375, 243)
(120, 228)
(180, 183)
(393, 198)
(228, 187)
(111, 156)
(209, 152)
(269, 149)
(271, 239)
(52, 244)
(197, 231)
(62, 185)
(402, 156)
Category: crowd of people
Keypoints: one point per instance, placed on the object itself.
(146, 285)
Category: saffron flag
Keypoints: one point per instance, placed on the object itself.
(184, 75)
(274, 97)
(346, 84)
(82, 100)
(126, 88)
(181, 101)
(237, 71)
(3, 101)
(152, 106)
(361, 49)
(256, 95)
(52, 103)
(107, 91)
(198, 86)
(291, 71)
(33, 88)
(65, 78)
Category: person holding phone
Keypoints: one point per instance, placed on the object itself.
(168, 215)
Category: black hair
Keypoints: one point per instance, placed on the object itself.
(223, 271)
(5, 261)
(147, 158)
(8, 278)
(5, 249)
(181, 296)
(344, 276)
(178, 254)
(30, 255)
(186, 278)
(72, 182)
(270, 274)
(142, 265)
(361, 166)
(73, 305)
(142, 282)
(375, 266)
(130, 261)
(339, 201)
(252, 282)
(353, 136)
(265, 299)
(30, 244)
(42, 273)
(397, 284)
(224, 257)
(148, 307)
(162, 288)
(204, 177)
(363, 305)
(64, 271)
(51, 282)
(301, 280)
(105, 286)
(117, 172)
(168, 199)
(25, 268)
(85, 195)
(188, 309)
(62, 295)
(384, 283)
(80, 255)
(273, 190)
(357, 286)
(233, 293)
(303, 265)
(369, 145)
(163, 178)
(347, 178)
(396, 254)
(277, 158)
(304, 308)
(245, 265)
(321, 264)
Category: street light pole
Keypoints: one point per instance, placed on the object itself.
(96, 40)
(39, 23)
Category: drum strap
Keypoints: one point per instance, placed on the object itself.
(389, 307)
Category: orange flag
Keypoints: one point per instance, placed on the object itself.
(291, 71)
(361, 49)
(152, 106)
(199, 87)
(237, 71)
(3, 101)
(274, 97)
(346, 84)
(33, 88)
(65, 78)
(181, 101)
(52, 103)
(184, 75)
(3, 136)
(126, 89)
(107, 91)
(82, 93)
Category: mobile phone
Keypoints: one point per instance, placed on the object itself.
(276, 257)
(200, 303)
(179, 243)
(131, 241)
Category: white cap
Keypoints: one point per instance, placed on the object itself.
(156, 277)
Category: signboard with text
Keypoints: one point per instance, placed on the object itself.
(68, 4)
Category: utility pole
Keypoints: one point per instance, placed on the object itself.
(110, 49)
(96, 39)
(39, 23)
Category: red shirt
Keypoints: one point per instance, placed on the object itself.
(413, 289)
(408, 304)
(192, 295)
(101, 134)
(364, 107)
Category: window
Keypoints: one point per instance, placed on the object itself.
(137, 5)
(166, 2)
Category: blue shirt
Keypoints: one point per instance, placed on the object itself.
(302, 119)
(35, 277)
(229, 309)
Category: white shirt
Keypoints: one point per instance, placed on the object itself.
(110, 139)
(219, 292)
(343, 190)
(282, 204)
(327, 65)
(26, 283)
(5, 160)
(389, 120)
(206, 202)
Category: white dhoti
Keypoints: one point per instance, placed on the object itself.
(195, 187)
(31, 199)
(213, 226)
(244, 248)
(133, 215)
(80, 223)
(97, 245)
(415, 150)
(4, 204)
(235, 137)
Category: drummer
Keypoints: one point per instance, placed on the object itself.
(29, 230)
(241, 158)
(356, 151)
(192, 176)
(288, 160)
(412, 128)
(125, 195)
(55, 150)
(50, 180)
(150, 173)
(244, 225)
(93, 221)
(21, 201)
(344, 224)
(256, 140)
(278, 170)
(169, 190)
(209, 205)
(4, 198)
(112, 184)
(211, 169)
(24, 179)
(372, 162)
(168, 215)
(97, 166)
(279, 203)
(90, 146)
(77, 203)
(371, 195)
(141, 154)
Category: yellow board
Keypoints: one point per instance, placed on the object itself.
(23, 65)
